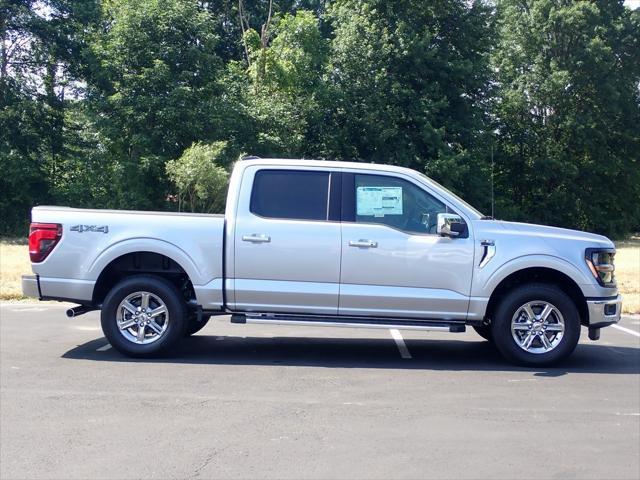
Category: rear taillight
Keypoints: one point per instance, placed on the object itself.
(42, 238)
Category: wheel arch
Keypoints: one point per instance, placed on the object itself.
(144, 244)
(139, 263)
(538, 275)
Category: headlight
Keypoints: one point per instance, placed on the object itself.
(600, 262)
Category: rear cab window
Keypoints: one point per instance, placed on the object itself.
(290, 194)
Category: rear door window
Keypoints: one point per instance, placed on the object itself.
(290, 194)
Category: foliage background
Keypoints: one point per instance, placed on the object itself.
(116, 103)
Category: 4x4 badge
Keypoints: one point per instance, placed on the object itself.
(90, 228)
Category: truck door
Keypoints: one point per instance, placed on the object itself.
(393, 262)
(287, 241)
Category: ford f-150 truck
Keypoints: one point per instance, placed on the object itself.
(307, 242)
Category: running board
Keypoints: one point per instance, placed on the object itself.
(350, 322)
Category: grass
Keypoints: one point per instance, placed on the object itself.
(14, 262)
(628, 274)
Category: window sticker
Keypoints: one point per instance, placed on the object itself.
(379, 201)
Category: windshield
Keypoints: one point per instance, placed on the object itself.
(466, 204)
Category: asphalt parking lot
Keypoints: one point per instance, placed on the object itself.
(244, 401)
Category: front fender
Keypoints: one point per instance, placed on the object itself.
(488, 280)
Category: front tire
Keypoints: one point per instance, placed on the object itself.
(143, 316)
(536, 325)
(485, 332)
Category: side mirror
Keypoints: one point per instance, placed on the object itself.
(450, 225)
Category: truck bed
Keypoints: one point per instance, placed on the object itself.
(92, 239)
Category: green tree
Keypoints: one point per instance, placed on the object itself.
(155, 91)
(568, 113)
(22, 182)
(408, 85)
(97, 96)
(41, 45)
(201, 182)
(278, 86)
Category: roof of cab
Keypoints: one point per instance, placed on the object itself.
(372, 167)
(326, 163)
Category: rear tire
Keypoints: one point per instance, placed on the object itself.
(194, 325)
(536, 325)
(143, 316)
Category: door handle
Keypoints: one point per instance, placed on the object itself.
(363, 243)
(255, 238)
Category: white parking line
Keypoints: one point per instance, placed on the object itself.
(103, 348)
(626, 330)
(28, 309)
(402, 347)
(85, 328)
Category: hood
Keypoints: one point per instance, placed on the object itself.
(542, 232)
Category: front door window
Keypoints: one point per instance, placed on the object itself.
(396, 203)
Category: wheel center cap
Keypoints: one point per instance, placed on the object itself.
(537, 326)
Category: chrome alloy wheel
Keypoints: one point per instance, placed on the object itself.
(142, 318)
(537, 327)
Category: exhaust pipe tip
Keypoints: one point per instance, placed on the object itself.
(79, 310)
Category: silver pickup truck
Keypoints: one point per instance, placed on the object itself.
(327, 243)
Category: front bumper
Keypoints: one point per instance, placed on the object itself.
(30, 287)
(604, 311)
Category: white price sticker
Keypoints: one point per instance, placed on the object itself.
(379, 201)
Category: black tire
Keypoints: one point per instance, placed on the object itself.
(512, 303)
(485, 332)
(194, 325)
(160, 289)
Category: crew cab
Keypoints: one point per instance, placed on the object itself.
(327, 243)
